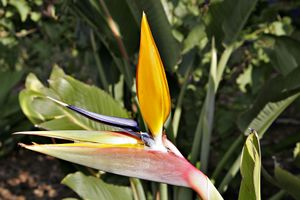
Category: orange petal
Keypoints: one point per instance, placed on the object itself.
(152, 86)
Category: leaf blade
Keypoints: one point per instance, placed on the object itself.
(94, 188)
(250, 168)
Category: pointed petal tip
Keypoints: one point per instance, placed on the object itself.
(22, 145)
(26, 146)
(21, 133)
(151, 82)
(25, 133)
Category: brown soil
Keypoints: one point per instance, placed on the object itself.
(28, 175)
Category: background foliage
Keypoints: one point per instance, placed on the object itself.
(253, 83)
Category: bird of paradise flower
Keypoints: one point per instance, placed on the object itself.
(130, 152)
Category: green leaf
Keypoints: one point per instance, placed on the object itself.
(89, 187)
(61, 123)
(269, 114)
(8, 79)
(196, 37)
(275, 90)
(48, 115)
(226, 19)
(250, 169)
(127, 23)
(22, 7)
(239, 14)
(205, 121)
(261, 122)
(289, 182)
(99, 19)
(284, 53)
(297, 154)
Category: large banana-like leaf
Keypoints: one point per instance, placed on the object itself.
(227, 18)
(284, 53)
(261, 123)
(95, 188)
(276, 89)
(46, 114)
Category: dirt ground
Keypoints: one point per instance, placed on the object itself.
(25, 175)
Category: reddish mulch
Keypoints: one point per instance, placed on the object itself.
(28, 175)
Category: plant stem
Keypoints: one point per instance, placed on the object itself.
(278, 196)
(230, 174)
(226, 157)
(269, 178)
(98, 63)
(222, 63)
(137, 189)
(205, 120)
(115, 30)
(163, 191)
(177, 112)
(116, 33)
(209, 109)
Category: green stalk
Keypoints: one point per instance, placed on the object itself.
(123, 69)
(177, 112)
(205, 121)
(269, 178)
(163, 191)
(98, 63)
(223, 61)
(209, 109)
(137, 189)
(230, 174)
(278, 196)
(117, 35)
(226, 157)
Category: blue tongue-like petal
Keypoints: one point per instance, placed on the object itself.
(127, 124)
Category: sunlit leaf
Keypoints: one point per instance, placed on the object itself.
(47, 114)
(261, 122)
(275, 90)
(90, 187)
(297, 154)
(250, 169)
(22, 7)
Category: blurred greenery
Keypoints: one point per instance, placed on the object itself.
(252, 82)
